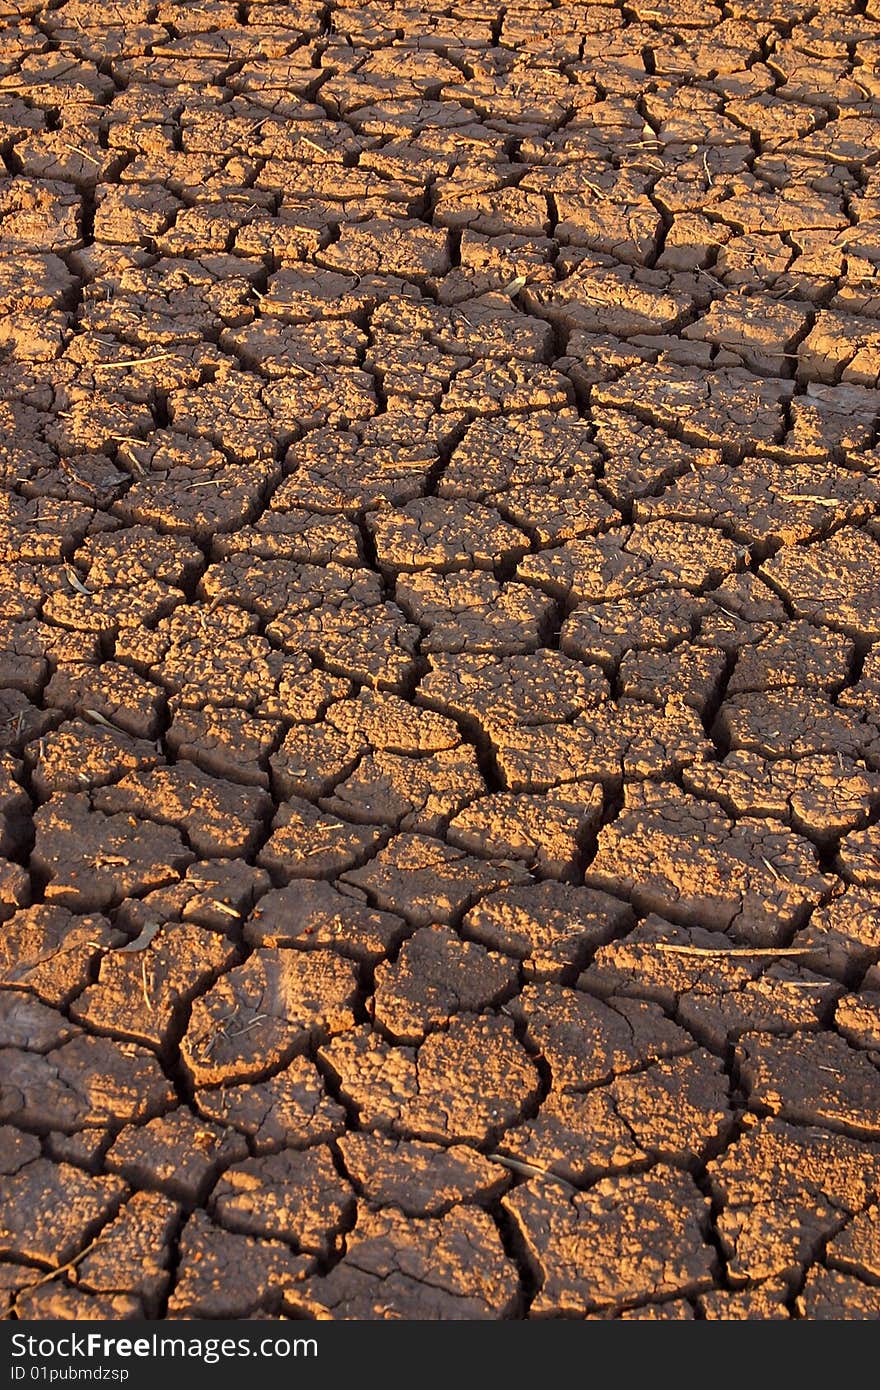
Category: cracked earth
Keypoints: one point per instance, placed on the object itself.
(439, 556)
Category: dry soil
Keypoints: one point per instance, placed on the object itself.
(439, 553)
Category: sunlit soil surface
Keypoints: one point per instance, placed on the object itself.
(439, 583)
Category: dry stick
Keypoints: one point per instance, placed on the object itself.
(734, 950)
(809, 497)
(71, 1264)
(765, 351)
(84, 153)
(769, 866)
(98, 718)
(527, 1170)
(257, 1018)
(131, 362)
(65, 464)
(224, 907)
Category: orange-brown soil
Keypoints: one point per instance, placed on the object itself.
(439, 678)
